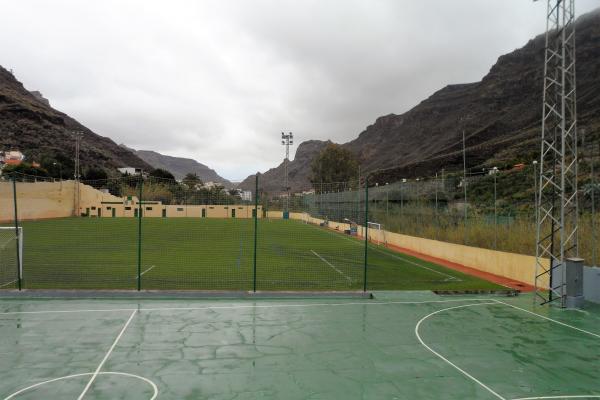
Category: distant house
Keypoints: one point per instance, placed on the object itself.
(210, 184)
(12, 157)
(130, 170)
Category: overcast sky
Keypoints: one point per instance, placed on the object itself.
(218, 81)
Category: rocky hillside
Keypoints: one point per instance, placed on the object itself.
(501, 117)
(180, 166)
(272, 181)
(30, 124)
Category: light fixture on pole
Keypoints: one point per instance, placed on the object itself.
(287, 140)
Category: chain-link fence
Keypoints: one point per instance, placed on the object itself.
(143, 232)
(148, 233)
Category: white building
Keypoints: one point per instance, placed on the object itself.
(246, 195)
(130, 170)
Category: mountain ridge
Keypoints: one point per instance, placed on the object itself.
(30, 124)
(500, 114)
(179, 166)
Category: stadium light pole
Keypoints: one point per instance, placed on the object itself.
(287, 140)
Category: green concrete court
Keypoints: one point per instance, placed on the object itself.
(400, 345)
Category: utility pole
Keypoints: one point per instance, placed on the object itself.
(77, 135)
(287, 140)
(465, 181)
(594, 233)
(557, 220)
(387, 203)
(495, 172)
(535, 190)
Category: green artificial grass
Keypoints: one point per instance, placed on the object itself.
(218, 254)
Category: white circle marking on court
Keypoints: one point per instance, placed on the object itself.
(148, 381)
(500, 397)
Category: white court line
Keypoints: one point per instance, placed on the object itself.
(591, 396)
(397, 257)
(147, 270)
(381, 303)
(549, 319)
(87, 387)
(418, 265)
(62, 378)
(498, 302)
(6, 284)
(332, 266)
(462, 371)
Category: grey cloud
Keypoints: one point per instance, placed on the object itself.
(218, 80)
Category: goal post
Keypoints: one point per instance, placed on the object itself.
(11, 256)
(376, 233)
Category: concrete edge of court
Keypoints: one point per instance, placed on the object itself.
(178, 294)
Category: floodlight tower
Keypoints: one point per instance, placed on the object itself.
(287, 140)
(557, 223)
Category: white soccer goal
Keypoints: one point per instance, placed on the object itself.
(376, 233)
(9, 256)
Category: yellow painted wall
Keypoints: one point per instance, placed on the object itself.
(509, 265)
(41, 200)
(177, 211)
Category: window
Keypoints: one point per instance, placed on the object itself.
(108, 208)
(128, 208)
(212, 208)
(93, 208)
(179, 208)
(148, 208)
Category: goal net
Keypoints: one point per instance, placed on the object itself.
(11, 256)
(376, 233)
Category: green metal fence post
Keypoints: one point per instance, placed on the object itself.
(366, 232)
(255, 230)
(14, 179)
(139, 258)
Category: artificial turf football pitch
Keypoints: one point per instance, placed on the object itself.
(217, 254)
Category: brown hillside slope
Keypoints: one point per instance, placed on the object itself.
(30, 124)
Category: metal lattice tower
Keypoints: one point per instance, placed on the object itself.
(557, 201)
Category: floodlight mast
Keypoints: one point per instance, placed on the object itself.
(287, 139)
(557, 224)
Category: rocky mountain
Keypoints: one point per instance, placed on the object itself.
(500, 115)
(272, 181)
(180, 166)
(30, 124)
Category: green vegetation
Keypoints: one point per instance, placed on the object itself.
(217, 254)
(26, 169)
(334, 164)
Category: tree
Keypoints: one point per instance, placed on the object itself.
(95, 174)
(162, 174)
(334, 164)
(26, 169)
(192, 180)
